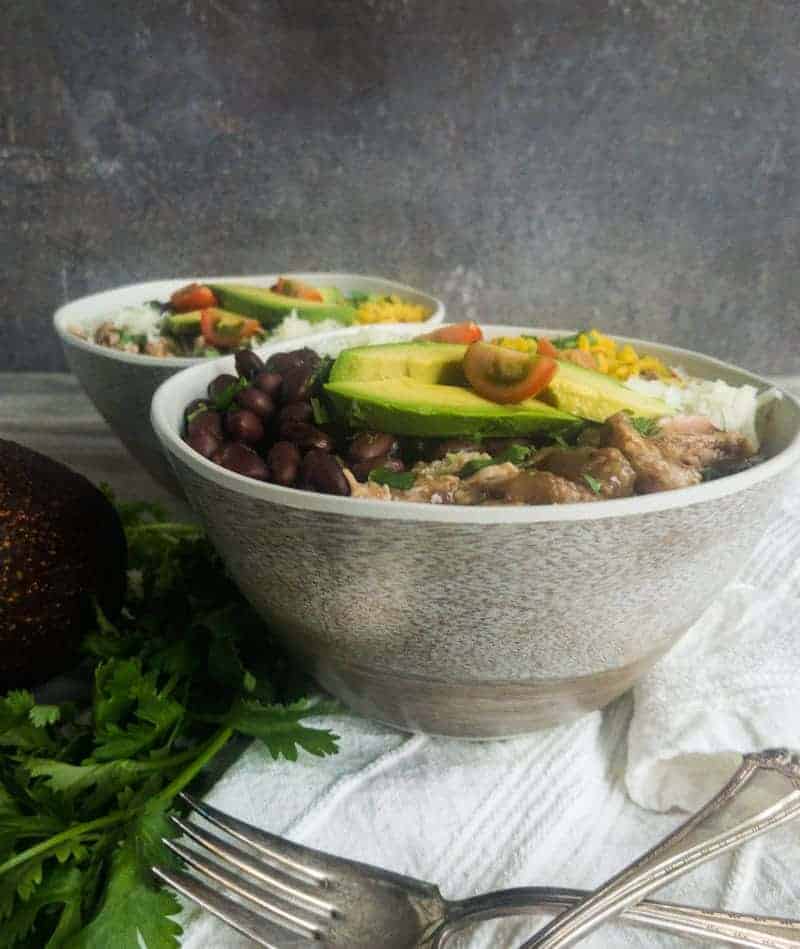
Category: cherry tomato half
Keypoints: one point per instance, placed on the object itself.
(194, 296)
(233, 334)
(297, 290)
(546, 348)
(464, 333)
(506, 375)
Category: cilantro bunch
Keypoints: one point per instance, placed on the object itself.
(86, 785)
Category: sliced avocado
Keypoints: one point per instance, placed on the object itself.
(182, 324)
(269, 308)
(596, 396)
(420, 360)
(405, 406)
(332, 295)
(581, 392)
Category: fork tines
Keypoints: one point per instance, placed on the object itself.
(276, 889)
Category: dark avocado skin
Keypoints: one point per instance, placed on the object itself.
(61, 544)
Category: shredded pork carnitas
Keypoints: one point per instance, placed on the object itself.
(613, 461)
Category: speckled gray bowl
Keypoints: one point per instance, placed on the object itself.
(481, 621)
(121, 385)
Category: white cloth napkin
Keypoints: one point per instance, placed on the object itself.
(572, 805)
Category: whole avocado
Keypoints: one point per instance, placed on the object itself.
(61, 545)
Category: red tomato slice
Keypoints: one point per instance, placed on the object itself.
(506, 375)
(546, 348)
(464, 333)
(250, 328)
(194, 296)
(297, 290)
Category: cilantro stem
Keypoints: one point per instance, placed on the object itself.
(216, 744)
(79, 830)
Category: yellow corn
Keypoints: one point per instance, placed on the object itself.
(391, 309)
(621, 362)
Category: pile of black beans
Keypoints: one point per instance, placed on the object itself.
(267, 429)
(267, 432)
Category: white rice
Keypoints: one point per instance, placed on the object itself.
(139, 320)
(731, 408)
(293, 326)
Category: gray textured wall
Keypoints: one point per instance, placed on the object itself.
(631, 162)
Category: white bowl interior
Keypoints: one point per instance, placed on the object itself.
(779, 428)
(89, 311)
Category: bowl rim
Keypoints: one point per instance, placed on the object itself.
(65, 316)
(174, 446)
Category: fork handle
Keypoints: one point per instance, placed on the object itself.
(735, 929)
(763, 793)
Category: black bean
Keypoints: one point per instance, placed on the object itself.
(296, 412)
(217, 386)
(281, 362)
(439, 449)
(297, 384)
(370, 445)
(322, 472)
(248, 363)
(208, 422)
(361, 469)
(269, 382)
(196, 405)
(256, 401)
(306, 436)
(204, 443)
(243, 460)
(244, 426)
(284, 461)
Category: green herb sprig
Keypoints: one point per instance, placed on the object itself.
(399, 480)
(86, 786)
(516, 454)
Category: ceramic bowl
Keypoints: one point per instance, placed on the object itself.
(121, 385)
(481, 621)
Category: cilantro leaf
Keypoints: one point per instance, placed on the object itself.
(224, 400)
(516, 454)
(647, 427)
(61, 886)
(133, 910)
(593, 483)
(568, 342)
(278, 726)
(399, 480)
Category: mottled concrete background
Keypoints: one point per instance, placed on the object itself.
(632, 162)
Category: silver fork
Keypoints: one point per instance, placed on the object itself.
(763, 793)
(287, 896)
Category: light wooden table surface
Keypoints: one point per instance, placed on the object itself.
(50, 413)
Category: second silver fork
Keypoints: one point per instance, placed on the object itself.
(287, 896)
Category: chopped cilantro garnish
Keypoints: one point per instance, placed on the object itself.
(86, 787)
(593, 483)
(320, 410)
(647, 427)
(475, 464)
(567, 342)
(516, 454)
(225, 399)
(399, 480)
(559, 439)
(357, 297)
